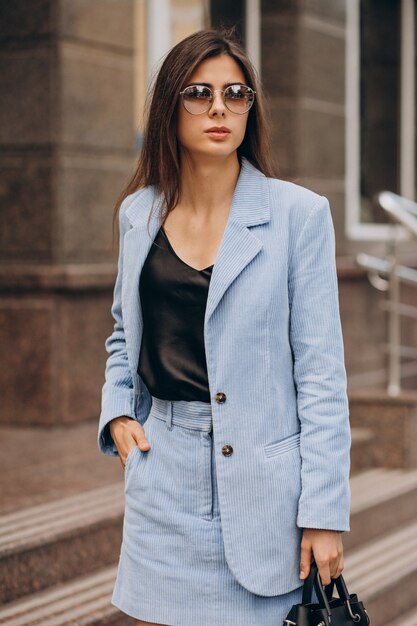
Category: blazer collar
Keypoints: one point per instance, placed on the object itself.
(250, 202)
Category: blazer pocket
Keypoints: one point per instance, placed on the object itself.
(283, 445)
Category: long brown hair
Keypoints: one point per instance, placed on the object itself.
(158, 162)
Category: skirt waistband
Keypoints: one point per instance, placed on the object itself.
(188, 414)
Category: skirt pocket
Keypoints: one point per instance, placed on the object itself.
(130, 456)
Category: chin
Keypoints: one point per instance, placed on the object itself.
(213, 151)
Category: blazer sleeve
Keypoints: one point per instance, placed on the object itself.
(320, 375)
(118, 395)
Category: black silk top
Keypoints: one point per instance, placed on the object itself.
(173, 295)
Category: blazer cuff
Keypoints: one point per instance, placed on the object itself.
(337, 516)
(115, 403)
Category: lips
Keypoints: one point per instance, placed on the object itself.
(218, 129)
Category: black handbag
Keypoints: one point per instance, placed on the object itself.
(346, 610)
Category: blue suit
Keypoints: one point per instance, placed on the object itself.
(274, 347)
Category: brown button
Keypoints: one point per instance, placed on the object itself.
(220, 397)
(227, 450)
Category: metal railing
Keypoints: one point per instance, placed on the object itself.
(387, 275)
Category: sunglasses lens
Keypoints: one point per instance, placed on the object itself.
(239, 98)
(197, 99)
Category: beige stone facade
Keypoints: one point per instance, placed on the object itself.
(73, 80)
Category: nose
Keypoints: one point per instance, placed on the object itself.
(217, 106)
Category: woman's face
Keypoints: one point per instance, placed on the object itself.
(192, 129)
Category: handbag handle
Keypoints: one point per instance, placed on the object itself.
(313, 578)
(340, 586)
(325, 592)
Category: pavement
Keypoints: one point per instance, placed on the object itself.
(40, 464)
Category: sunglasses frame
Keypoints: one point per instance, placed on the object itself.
(212, 98)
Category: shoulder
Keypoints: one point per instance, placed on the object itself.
(294, 203)
(292, 196)
(284, 197)
(132, 198)
(135, 206)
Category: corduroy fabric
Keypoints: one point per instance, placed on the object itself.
(172, 567)
(274, 348)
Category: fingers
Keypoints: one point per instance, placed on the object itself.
(324, 571)
(141, 440)
(330, 567)
(138, 437)
(338, 568)
(326, 548)
(123, 454)
(124, 459)
(306, 559)
(128, 433)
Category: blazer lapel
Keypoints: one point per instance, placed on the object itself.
(239, 245)
(250, 207)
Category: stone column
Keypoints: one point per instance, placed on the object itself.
(67, 149)
(303, 47)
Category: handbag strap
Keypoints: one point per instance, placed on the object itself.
(313, 579)
(309, 584)
(340, 586)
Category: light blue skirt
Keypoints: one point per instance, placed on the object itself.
(172, 568)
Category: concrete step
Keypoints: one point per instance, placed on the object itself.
(383, 573)
(84, 601)
(405, 619)
(361, 453)
(39, 465)
(50, 543)
(393, 420)
(382, 500)
(53, 542)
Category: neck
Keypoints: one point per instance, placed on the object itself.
(207, 185)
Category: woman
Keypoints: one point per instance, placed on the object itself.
(225, 393)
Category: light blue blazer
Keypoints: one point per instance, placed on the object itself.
(274, 346)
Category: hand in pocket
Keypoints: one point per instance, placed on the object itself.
(127, 433)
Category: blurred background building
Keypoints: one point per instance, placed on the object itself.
(340, 79)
